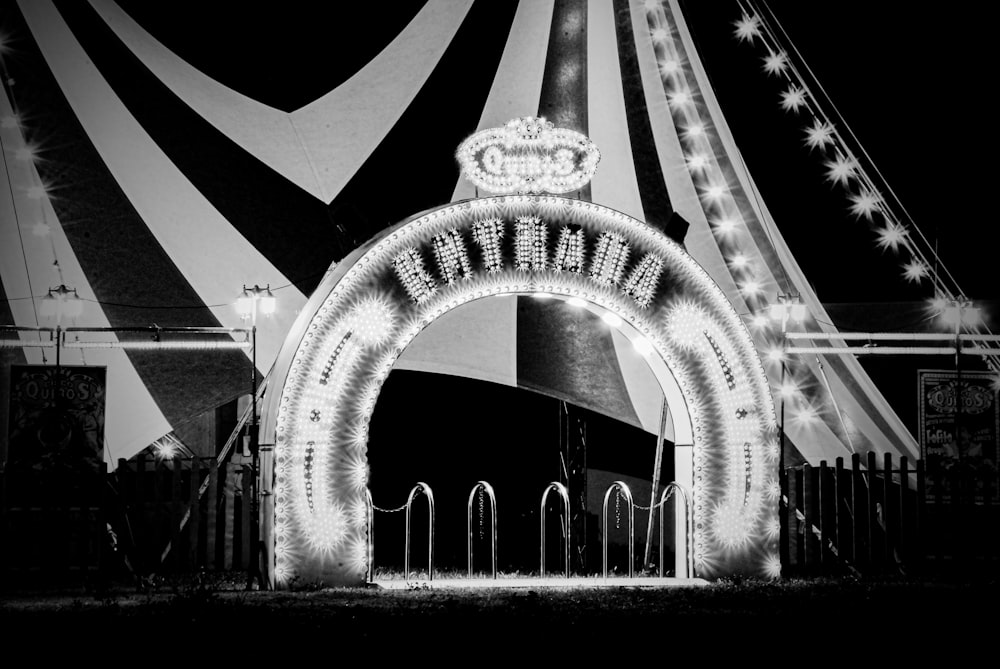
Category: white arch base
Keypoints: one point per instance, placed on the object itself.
(371, 306)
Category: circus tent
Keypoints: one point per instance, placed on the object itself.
(157, 186)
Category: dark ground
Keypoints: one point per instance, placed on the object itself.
(803, 621)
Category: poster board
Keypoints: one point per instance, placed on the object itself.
(56, 426)
(959, 420)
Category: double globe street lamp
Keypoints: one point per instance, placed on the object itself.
(251, 303)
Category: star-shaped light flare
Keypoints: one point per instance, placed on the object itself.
(865, 204)
(775, 62)
(747, 28)
(891, 236)
(820, 135)
(915, 271)
(793, 99)
(841, 170)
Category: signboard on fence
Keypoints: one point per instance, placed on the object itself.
(56, 426)
(959, 424)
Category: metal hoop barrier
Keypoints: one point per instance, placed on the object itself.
(688, 524)
(493, 523)
(564, 494)
(370, 517)
(631, 525)
(430, 538)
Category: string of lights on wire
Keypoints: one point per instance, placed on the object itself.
(870, 195)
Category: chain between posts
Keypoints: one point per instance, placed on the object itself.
(654, 506)
(378, 508)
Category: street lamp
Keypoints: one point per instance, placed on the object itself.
(958, 312)
(787, 307)
(250, 303)
(60, 302)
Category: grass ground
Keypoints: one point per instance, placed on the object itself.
(893, 618)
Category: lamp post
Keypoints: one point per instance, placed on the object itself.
(250, 303)
(60, 302)
(787, 307)
(957, 312)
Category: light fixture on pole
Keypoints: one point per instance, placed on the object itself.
(956, 313)
(59, 303)
(250, 303)
(787, 307)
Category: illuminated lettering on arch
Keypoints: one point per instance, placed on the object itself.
(530, 250)
(487, 234)
(610, 258)
(641, 283)
(370, 309)
(451, 254)
(569, 250)
(416, 280)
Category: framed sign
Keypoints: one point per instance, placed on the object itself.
(56, 423)
(959, 425)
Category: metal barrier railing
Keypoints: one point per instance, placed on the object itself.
(370, 517)
(688, 525)
(624, 491)
(430, 539)
(481, 487)
(564, 494)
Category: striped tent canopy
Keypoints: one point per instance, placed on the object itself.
(174, 156)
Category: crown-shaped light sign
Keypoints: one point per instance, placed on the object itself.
(528, 155)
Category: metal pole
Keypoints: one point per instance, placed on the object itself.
(657, 465)
(958, 386)
(488, 489)
(564, 495)
(421, 486)
(624, 491)
(253, 569)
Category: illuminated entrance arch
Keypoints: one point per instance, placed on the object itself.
(377, 300)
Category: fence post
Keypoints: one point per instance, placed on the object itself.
(904, 490)
(194, 514)
(176, 503)
(211, 511)
(4, 524)
(859, 503)
(808, 502)
(156, 540)
(956, 523)
(103, 499)
(872, 511)
(794, 495)
(989, 520)
(920, 520)
(141, 524)
(783, 519)
(245, 515)
(819, 503)
(887, 510)
(838, 472)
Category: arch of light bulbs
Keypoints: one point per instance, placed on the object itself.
(384, 295)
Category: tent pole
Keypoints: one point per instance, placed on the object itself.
(657, 465)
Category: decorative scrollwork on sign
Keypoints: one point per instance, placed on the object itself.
(528, 155)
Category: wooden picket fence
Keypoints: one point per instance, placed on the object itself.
(883, 516)
(49, 523)
(184, 514)
(150, 516)
(871, 516)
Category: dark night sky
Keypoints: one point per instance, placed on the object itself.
(909, 82)
(911, 85)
